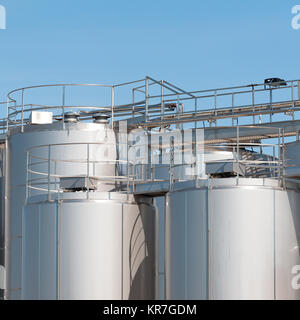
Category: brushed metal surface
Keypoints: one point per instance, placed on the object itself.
(97, 250)
(18, 144)
(232, 242)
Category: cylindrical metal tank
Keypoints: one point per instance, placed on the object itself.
(18, 144)
(232, 241)
(101, 248)
(92, 141)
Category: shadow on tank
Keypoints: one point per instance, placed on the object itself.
(141, 288)
(143, 257)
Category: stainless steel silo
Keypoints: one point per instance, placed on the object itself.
(229, 241)
(62, 163)
(101, 248)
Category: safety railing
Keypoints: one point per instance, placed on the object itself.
(241, 155)
(21, 102)
(71, 167)
(181, 155)
(158, 103)
(260, 102)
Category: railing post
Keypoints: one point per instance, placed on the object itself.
(63, 104)
(177, 111)
(22, 121)
(149, 149)
(293, 100)
(133, 103)
(7, 114)
(112, 106)
(146, 99)
(253, 103)
(215, 107)
(162, 105)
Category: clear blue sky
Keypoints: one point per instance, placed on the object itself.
(193, 43)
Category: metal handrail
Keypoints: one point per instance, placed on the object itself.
(273, 165)
(169, 94)
(47, 176)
